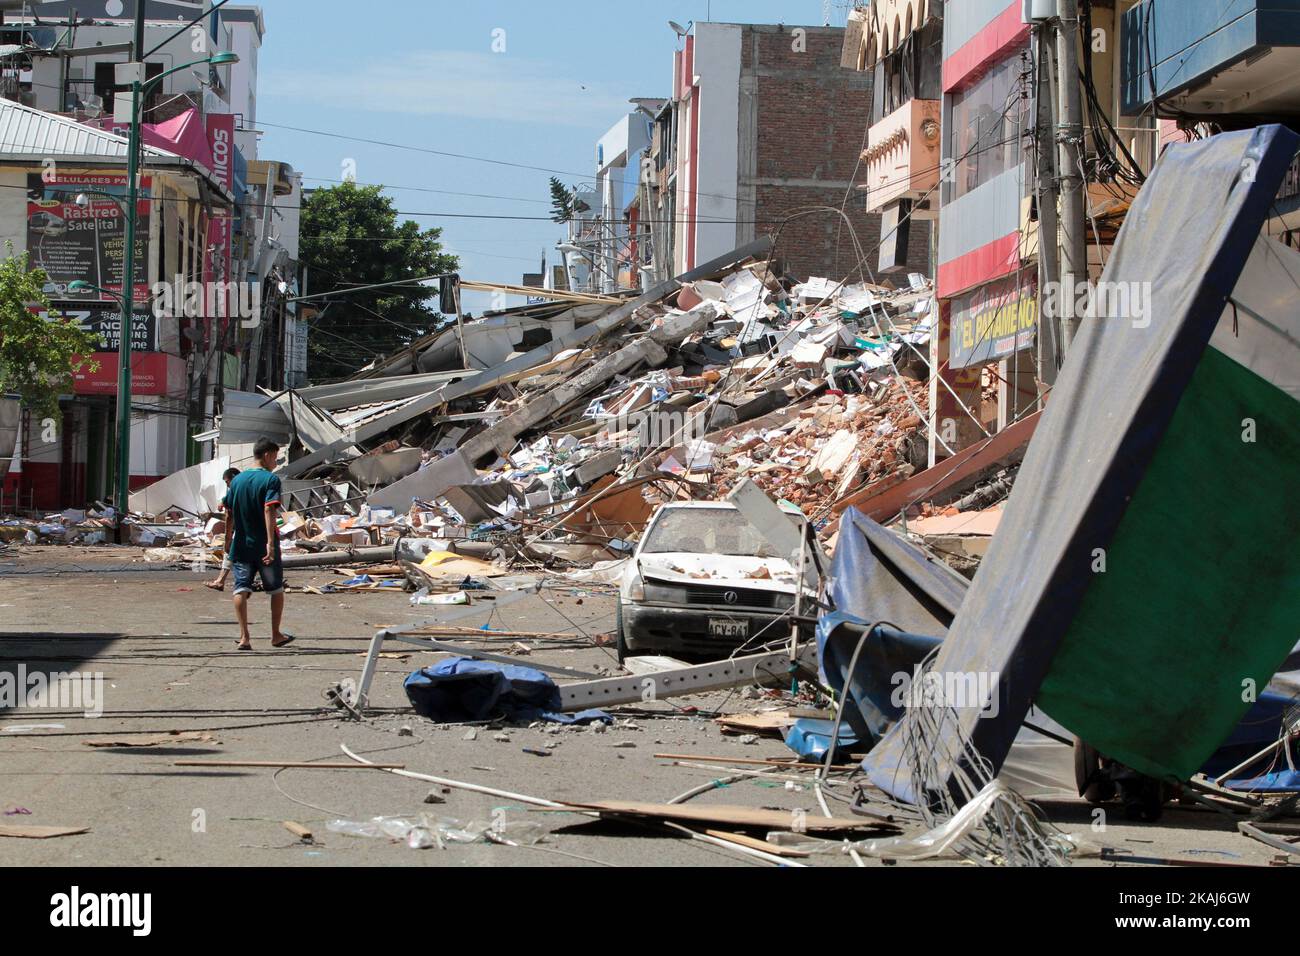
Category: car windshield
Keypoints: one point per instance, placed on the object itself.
(707, 531)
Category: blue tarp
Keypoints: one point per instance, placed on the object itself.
(1284, 781)
(809, 738)
(876, 576)
(353, 582)
(461, 688)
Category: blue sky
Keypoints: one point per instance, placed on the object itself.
(423, 73)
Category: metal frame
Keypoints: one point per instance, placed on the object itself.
(609, 691)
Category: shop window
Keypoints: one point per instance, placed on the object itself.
(985, 127)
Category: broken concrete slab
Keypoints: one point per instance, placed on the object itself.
(427, 483)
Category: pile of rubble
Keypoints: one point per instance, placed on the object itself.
(546, 435)
(71, 526)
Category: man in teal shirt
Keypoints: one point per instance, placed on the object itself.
(253, 539)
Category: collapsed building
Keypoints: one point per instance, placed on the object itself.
(553, 430)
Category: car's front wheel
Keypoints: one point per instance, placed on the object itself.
(620, 638)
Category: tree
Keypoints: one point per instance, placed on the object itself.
(565, 203)
(350, 237)
(38, 356)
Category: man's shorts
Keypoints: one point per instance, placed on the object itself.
(272, 576)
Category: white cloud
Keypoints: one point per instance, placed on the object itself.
(493, 86)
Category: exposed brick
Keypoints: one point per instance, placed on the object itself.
(811, 118)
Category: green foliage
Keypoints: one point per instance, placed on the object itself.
(351, 237)
(37, 357)
(565, 203)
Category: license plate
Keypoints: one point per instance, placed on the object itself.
(728, 627)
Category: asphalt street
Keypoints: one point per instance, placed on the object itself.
(165, 647)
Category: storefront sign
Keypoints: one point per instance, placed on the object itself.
(152, 373)
(106, 322)
(221, 140)
(70, 241)
(994, 321)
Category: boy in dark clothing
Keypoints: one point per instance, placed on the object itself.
(219, 584)
(253, 540)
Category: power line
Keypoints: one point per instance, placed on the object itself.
(916, 174)
(425, 189)
(422, 149)
(218, 4)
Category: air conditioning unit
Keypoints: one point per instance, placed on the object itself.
(1036, 10)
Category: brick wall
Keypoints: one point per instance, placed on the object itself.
(807, 116)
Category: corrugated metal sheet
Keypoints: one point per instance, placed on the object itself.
(30, 132)
(247, 416)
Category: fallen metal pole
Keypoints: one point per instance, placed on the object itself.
(324, 559)
(1283, 741)
(1268, 839)
(639, 688)
(634, 688)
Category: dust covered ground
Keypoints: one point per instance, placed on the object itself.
(165, 646)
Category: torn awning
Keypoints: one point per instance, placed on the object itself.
(1139, 461)
(879, 577)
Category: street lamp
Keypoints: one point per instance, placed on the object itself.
(139, 90)
(81, 285)
(83, 199)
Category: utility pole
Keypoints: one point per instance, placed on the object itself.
(128, 271)
(1069, 138)
(1046, 195)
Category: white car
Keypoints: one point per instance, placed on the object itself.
(704, 582)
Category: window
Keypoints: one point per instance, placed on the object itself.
(912, 71)
(722, 531)
(985, 127)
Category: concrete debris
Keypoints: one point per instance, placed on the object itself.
(554, 459)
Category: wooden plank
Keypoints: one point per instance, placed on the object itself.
(731, 816)
(763, 722)
(756, 844)
(437, 630)
(38, 832)
(884, 503)
(300, 831)
(761, 761)
(153, 740)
